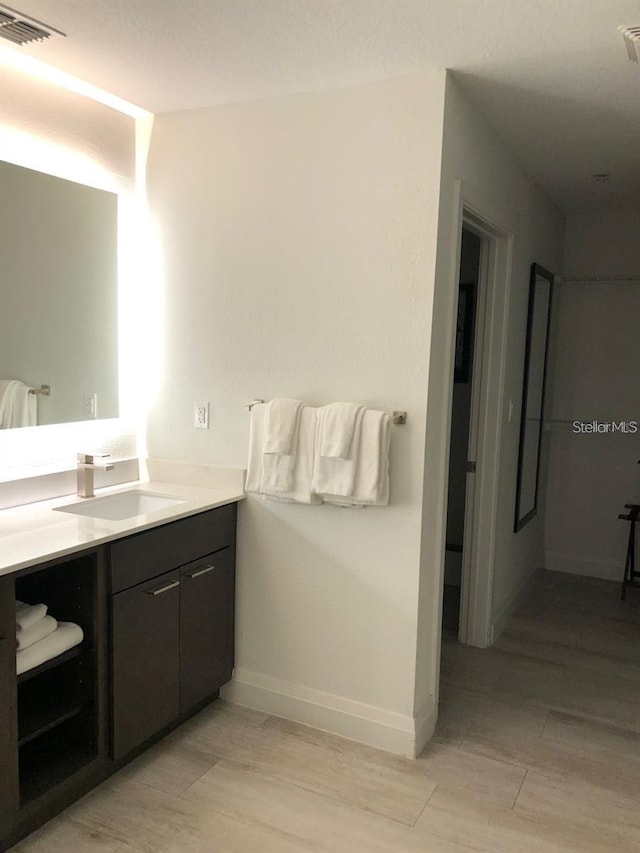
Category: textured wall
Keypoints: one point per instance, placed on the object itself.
(595, 377)
(475, 158)
(299, 243)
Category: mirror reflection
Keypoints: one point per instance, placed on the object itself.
(535, 364)
(58, 300)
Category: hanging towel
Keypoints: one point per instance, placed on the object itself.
(338, 425)
(333, 475)
(256, 441)
(38, 631)
(300, 491)
(66, 636)
(18, 407)
(281, 425)
(28, 614)
(371, 486)
(277, 467)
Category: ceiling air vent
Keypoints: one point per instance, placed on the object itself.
(631, 36)
(21, 29)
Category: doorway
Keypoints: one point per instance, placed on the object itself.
(460, 458)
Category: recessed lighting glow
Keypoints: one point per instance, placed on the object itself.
(29, 65)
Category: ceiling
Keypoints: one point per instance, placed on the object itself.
(551, 76)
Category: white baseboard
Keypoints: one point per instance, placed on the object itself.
(517, 600)
(590, 567)
(357, 721)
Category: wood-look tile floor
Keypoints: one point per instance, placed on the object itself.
(537, 751)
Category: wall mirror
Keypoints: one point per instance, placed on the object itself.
(535, 368)
(58, 296)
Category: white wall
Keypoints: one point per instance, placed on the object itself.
(595, 377)
(501, 192)
(299, 246)
(48, 128)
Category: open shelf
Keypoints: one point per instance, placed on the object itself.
(57, 700)
(70, 654)
(56, 755)
(56, 695)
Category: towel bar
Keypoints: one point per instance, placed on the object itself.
(44, 390)
(397, 418)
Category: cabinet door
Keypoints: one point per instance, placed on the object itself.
(206, 626)
(146, 638)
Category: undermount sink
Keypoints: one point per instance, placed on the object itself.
(122, 505)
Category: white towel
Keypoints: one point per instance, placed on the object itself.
(18, 407)
(333, 475)
(66, 636)
(371, 486)
(339, 423)
(38, 631)
(281, 425)
(256, 441)
(281, 428)
(28, 614)
(300, 491)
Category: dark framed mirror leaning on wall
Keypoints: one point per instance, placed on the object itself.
(535, 369)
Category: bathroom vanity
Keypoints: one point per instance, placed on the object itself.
(154, 595)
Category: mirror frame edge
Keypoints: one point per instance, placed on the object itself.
(536, 270)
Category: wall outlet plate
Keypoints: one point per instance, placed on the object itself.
(201, 415)
(90, 405)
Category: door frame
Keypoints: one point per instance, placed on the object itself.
(486, 416)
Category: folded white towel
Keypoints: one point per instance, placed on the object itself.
(28, 614)
(277, 468)
(339, 423)
(281, 425)
(300, 491)
(26, 637)
(332, 474)
(371, 485)
(66, 636)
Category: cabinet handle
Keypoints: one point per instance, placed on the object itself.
(164, 588)
(197, 572)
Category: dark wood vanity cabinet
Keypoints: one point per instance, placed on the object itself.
(9, 796)
(157, 611)
(53, 716)
(172, 632)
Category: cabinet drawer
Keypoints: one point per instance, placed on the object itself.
(149, 554)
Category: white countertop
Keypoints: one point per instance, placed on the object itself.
(34, 533)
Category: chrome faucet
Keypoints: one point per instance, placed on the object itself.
(86, 466)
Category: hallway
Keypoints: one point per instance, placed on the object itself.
(559, 697)
(537, 751)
